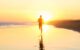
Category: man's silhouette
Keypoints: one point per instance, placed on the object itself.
(40, 20)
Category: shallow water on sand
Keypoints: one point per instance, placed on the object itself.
(27, 38)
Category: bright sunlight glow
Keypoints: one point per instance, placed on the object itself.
(45, 15)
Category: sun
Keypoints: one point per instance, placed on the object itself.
(45, 15)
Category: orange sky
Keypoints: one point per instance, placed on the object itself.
(26, 10)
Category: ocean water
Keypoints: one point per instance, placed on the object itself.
(26, 37)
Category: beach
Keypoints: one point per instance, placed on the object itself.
(26, 37)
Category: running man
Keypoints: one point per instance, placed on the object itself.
(40, 20)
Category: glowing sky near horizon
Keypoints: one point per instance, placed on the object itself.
(26, 10)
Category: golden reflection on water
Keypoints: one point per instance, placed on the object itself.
(48, 31)
(45, 28)
(27, 37)
(59, 38)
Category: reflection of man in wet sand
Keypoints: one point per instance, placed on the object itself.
(40, 20)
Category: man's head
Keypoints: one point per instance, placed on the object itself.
(40, 16)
